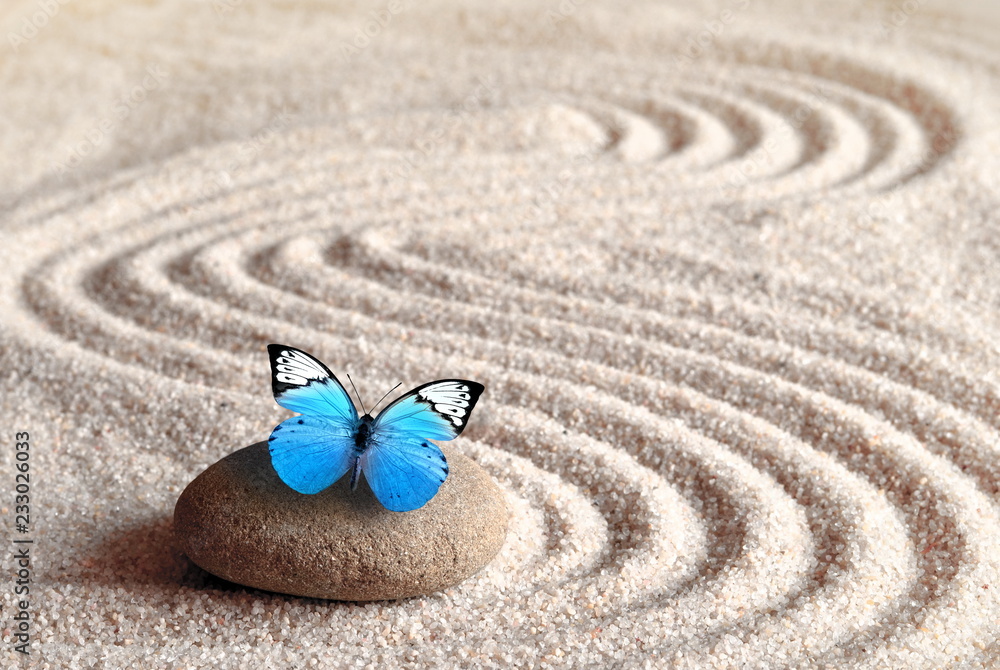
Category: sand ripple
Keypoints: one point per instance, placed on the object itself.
(741, 391)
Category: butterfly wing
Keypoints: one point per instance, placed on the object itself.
(403, 473)
(403, 469)
(434, 411)
(304, 385)
(312, 451)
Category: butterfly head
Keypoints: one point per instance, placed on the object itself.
(363, 408)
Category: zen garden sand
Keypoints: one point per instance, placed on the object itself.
(728, 270)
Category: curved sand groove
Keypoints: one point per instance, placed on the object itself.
(741, 419)
(577, 536)
(846, 108)
(883, 353)
(636, 138)
(935, 120)
(561, 533)
(696, 138)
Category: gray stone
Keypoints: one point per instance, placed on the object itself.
(239, 521)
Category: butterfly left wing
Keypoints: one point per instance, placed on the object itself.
(403, 469)
(312, 451)
(303, 384)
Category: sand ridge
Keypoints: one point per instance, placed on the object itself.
(727, 273)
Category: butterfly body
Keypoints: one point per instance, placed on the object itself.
(364, 430)
(403, 468)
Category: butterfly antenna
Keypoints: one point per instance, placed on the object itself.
(386, 394)
(358, 394)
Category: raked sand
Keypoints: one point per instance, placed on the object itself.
(729, 271)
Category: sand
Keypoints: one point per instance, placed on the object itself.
(729, 272)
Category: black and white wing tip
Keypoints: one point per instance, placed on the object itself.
(293, 368)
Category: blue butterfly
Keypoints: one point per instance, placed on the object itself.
(312, 451)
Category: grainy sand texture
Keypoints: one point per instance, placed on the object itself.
(730, 273)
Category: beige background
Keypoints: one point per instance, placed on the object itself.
(729, 272)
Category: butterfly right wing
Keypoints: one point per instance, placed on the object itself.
(403, 472)
(437, 410)
(402, 467)
(312, 451)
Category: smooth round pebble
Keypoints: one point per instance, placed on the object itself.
(239, 521)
